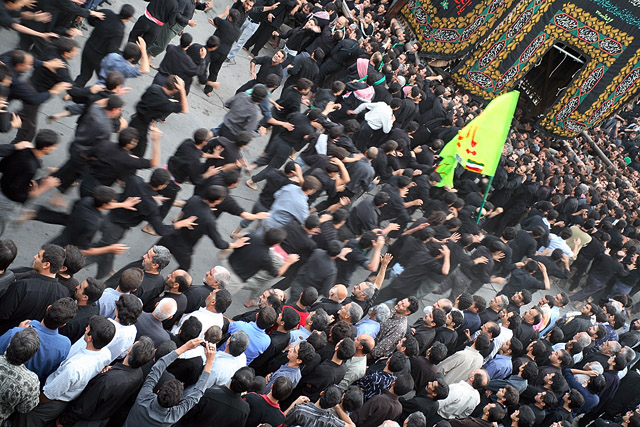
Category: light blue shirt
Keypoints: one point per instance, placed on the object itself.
(554, 314)
(285, 371)
(369, 327)
(116, 62)
(290, 203)
(300, 334)
(107, 303)
(499, 367)
(258, 339)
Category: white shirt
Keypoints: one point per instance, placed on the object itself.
(378, 116)
(208, 319)
(123, 339)
(74, 373)
(224, 367)
(505, 335)
(460, 403)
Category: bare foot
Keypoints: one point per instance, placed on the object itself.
(149, 230)
(252, 185)
(179, 203)
(58, 201)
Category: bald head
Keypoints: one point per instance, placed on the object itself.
(338, 293)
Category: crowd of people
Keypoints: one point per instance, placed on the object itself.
(346, 187)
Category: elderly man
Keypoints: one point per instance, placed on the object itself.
(214, 279)
(371, 325)
(607, 349)
(496, 304)
(350, 313)
(333, 304)
(178, 282)
(463, 396)
(365, 293)
(150, 324)
(227, 362)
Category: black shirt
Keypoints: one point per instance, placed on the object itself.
(298, 241)
(107, 35)
(185, 239)
(266, 68)
(252, 258)
(82, 224)
(228, 32)
(163, 10)
(185, 163)
(146, 210)
(28, 299)
(363, 217)
(104, 395)
(325, 374)
(155, 104)
(18, 169)
(74, 329)
(111, 162)
(227, 408)
(276, 179)
(263, 411)
(177, 61)
(196, 296)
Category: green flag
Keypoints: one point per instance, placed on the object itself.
(478, 145)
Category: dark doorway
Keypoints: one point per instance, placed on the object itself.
(546, 80)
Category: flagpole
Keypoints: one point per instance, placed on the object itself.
(484, 200)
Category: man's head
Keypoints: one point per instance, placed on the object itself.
(88, 291)
(345, 349)
(22, 347)
(49, 259)
(338, 293)
(216, 277)
(130, 279)
(406, 306)
(363, 290)
(8, 253)
(301, 353)
(59, 313)
(156, 259)
(99, 332)
(128, 309)
(238, 343)
(498, 302)
(21, 61)
(350, 313)
(278, 57)
(178, 281)
(165, 309)
(219, 301)
(141, 352)
(266, 318)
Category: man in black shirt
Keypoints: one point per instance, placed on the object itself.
(157, 14)
(86, 295)
(105, 38)
(268, 65)
(270, 23)
(119, 221)
(181, 242)
(157, 103)
(18, 171)
(227, 30)
(265, 408)
(108, 391)
(224, 404)
(45, 80)
(176, 61)
(30, 297)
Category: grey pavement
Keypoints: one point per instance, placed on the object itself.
(204, 112)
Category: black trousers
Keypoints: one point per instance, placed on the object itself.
(72, 170)
(260, 38)
(111, 233)
(277, 156)
(142, 126)
(29, 116)
(328, 67)
(171, 193)
(89, 64)
(248, 85)
(146, 29)
(180, 252)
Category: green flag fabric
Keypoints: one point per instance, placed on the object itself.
(478, 145)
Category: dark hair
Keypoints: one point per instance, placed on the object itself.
(243, 138)
(213, 193)
(126, 11)
(45, 138)
(596, 384)
(346, 349)
(258, 94)
(437, 352)
(352, 399)
(306, 352)
(101, 331)
(319, 320)
(457, 317)
(464, 301)
(103, 195)
(281, 388)
(530, 371)
(397, 361)
(497, 413)
(185, 40)
(482, 342)
(130, 279)
(127, 136)
(526, 417)
(22, 347)
(64, 44)
(330, 397)
(164, 348)
(54, 255)
(94, 290)
(318, 339)
(266, 317)
(159, 178)
(213, 41)
(60, 312)
(170, 393)
(309, 296)
(131, 53)
(411, 346)
(223, 301)
(114, 102)
(516, 347)
(274, 236)
(381, 198)
(190, 329)
(272, 80)
(8, 253)
(576, 399)
(511, 395)
(129, 309)
(74, 260)
(242, 379)
(291, 318)
(234, 15)
(141, 352)
(339, 331)
(213, 335)
(403, 385)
